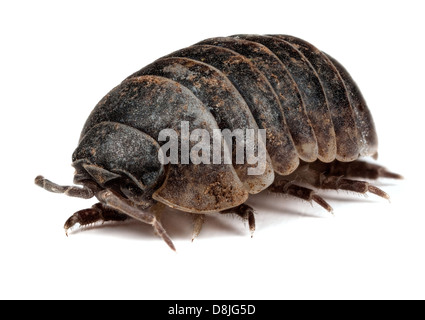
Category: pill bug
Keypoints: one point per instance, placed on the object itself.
(316, 121)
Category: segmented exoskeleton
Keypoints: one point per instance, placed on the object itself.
(316, 121)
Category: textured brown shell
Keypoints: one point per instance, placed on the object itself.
(152, 103)
(308, 103)
(221, 98)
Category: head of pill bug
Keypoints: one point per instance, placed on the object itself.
(120, 158)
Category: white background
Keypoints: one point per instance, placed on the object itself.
(59, 59)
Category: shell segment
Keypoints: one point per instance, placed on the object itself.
(362, 115)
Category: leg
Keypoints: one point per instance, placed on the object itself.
(198, 221)
(116, 202)
(72, 191)
(246, 213)
(97, 212)
(287, 187)
(359, 169)
(339, 183)
(322, 176)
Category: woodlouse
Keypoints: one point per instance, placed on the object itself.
(317, 127)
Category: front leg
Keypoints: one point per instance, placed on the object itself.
(114, 201)
(97, 212)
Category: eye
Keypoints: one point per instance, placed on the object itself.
(130, 190)
(128, 187)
